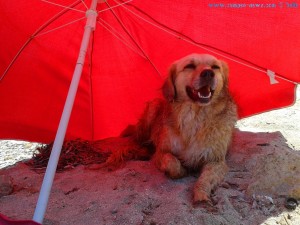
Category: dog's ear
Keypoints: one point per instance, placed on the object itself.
(225, 71)
(168, 88)
(225, 68)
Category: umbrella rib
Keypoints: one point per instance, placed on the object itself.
(39, 30)
(209, 48)
(119, 4)
(84, 4)
(65, 7)
(59, 27)
(132, 38)
(91, 84)
(120, 37)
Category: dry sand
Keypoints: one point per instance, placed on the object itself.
(264, 170)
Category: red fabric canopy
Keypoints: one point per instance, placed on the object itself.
(118, 78)
(6, 221)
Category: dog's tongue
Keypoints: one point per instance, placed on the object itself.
(202, 95)
(204, 91)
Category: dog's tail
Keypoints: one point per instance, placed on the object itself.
(122, 149)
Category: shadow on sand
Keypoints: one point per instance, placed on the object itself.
(264, 171)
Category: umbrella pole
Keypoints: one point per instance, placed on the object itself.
(41, 206)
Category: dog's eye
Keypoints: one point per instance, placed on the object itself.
(215, 67)
(190, 66)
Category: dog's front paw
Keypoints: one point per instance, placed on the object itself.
(200, 197)
(172, 166)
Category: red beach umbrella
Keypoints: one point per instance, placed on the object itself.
(128, 56)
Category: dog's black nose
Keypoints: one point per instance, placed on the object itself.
(207, 73)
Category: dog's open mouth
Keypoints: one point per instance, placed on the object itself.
(202, 95)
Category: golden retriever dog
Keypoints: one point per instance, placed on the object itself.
(191, 128)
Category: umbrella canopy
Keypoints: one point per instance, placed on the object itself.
(128, 58)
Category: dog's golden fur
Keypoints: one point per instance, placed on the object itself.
(191, 127)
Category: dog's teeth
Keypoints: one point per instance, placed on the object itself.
(200, 96)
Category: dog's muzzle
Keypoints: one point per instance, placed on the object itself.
(203, 91)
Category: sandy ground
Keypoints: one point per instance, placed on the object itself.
(264, 170)
(286, 121)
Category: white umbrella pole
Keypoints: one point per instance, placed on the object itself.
(63, 124)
